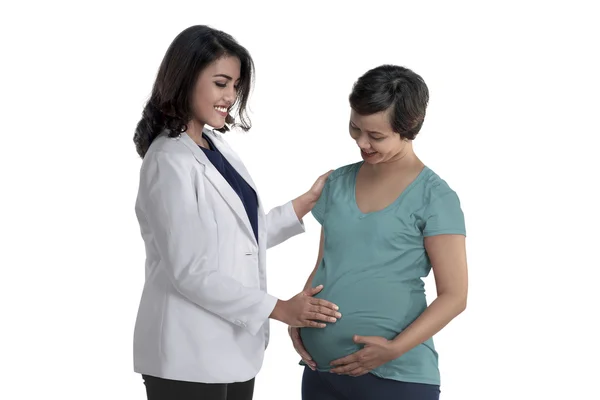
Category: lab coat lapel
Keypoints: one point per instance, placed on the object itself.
(219, 182)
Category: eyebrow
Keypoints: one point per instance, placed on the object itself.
(372, 132)
(222, 76)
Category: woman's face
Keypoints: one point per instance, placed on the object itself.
(375, 137)
(215, 91)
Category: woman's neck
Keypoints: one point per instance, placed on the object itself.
(194, 131)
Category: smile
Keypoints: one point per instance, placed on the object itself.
(366, 155)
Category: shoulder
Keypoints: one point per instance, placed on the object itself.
(169, 149)
(435, 184)
(442, 209)
(345, 171)
(170, 146)
(167, 154)
(436, 188)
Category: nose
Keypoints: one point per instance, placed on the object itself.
(363, 142)
(230, 95)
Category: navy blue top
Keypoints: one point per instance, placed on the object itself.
(237, 183)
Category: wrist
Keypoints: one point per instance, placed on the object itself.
(396, 348)
(278, 312)
(310, 198)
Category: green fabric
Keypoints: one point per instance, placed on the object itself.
(373, 265)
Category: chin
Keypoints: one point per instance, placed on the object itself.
(217, 124)
(372, 160)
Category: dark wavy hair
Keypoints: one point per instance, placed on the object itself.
(169, 107)
(396, 88)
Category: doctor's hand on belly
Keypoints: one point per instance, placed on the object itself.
(304, 310)
(294, 333)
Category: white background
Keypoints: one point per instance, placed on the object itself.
(512, 126)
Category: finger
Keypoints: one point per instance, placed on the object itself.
(320, 317)
(299, 346)
(326, 174)
(304, 354)
(352, 358)
(302, 351)
(312, 324)
(321, 179)
(325, 311)
(363, 339)
(311, 364)
(357, 372)
(313, 291)
(345, 369)
(324, 303)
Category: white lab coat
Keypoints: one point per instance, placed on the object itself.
(204, 311)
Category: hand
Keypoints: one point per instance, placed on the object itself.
(376, 352)
(306, 202)
(303, 310)
(299, 347)
(314, 192)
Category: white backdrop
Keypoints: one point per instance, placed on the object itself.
(512, 126)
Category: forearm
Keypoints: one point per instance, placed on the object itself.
(439, 313)
(303, 204)
(279, 311)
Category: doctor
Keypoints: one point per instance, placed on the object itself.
(203, 320)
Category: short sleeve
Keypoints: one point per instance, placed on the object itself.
(444, 216)
(320, 207)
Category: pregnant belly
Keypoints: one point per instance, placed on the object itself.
(373, 313)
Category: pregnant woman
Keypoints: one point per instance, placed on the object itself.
(386, 222)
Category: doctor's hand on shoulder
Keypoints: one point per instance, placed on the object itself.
(304, 203)
(315, 191)
(304, 310)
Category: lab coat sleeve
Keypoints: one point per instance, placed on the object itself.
(189, 256)
(282, 224)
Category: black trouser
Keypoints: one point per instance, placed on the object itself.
(165, 389)
(328, 386)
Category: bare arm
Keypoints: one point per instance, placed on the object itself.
(449, 262)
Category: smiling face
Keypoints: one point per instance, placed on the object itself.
(216, 91)
(375, 137)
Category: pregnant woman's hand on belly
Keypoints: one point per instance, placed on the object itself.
(376, 352)
(299, 347)
(303, 310)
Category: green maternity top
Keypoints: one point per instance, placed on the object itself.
(373, 265)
